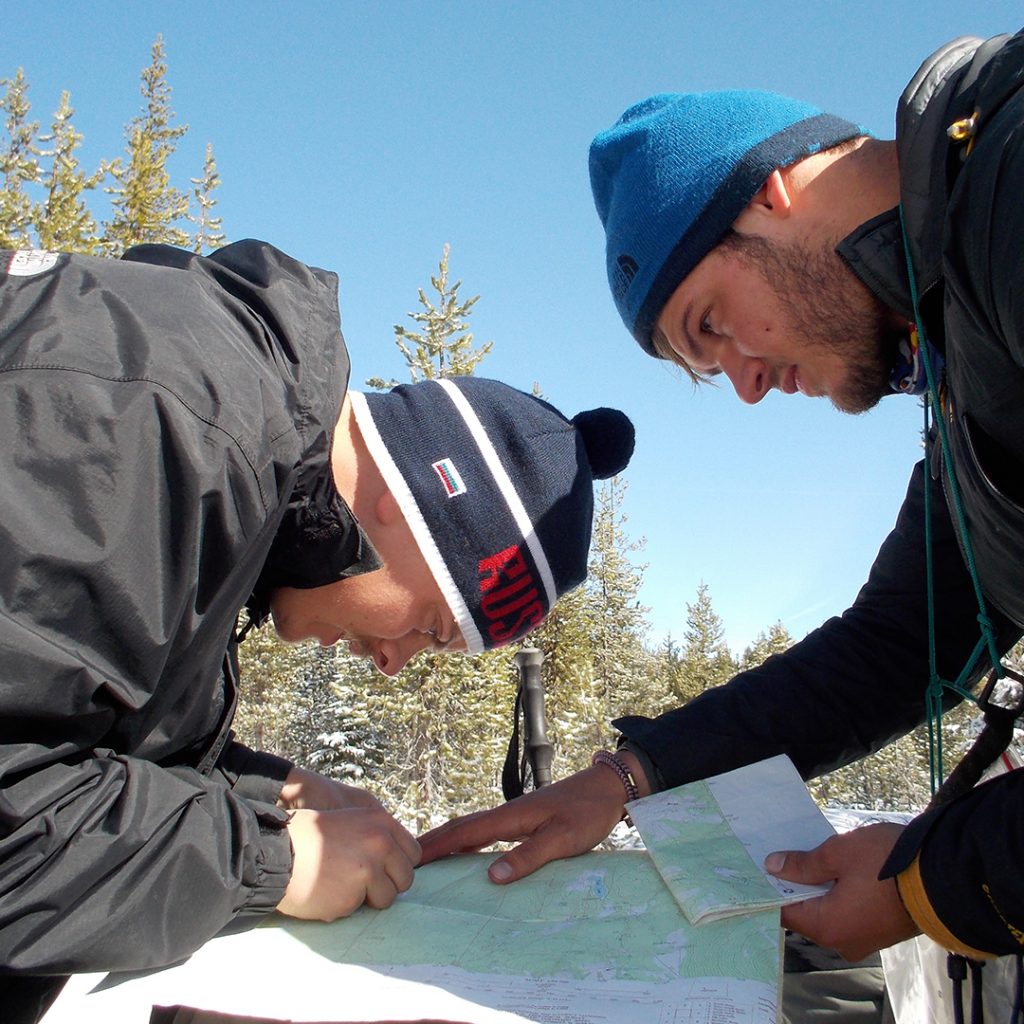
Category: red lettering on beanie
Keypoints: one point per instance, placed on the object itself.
(509, 562)
(510, 595)
(502, 632)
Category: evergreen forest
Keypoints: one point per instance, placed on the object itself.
(430, 742)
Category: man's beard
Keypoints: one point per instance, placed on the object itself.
(827, 307)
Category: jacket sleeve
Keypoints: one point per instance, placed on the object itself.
(846, 689)
(958, 870)
(113, 504)
(253, 774)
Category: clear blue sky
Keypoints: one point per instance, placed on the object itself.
(361, 137)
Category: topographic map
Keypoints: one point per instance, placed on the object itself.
(597, 938)
(709, 839)
(696, 851)
(593, 940)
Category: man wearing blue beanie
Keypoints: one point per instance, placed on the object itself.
(753, 237)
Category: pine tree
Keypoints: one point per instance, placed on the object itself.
(620, 661)
(444, 346)
(774, 640)
(574, 720)
(44, 194)
(893, 779)
(146, 206)
(208, 234)
(596, 665)
(329, 727)
(63, 222)
(19, 164)
(269, 671)
(308, 704)
(707, 661)
(668, 667)
(446, 720)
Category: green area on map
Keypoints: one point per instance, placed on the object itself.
(698, 855)
(600, 916)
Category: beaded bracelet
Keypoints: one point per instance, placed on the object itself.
(620, 768)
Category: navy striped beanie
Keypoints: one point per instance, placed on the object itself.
(497, 488)
(674, 172)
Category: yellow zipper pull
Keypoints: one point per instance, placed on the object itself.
(964, 130)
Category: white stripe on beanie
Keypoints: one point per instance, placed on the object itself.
(414, 517)
(505, 485)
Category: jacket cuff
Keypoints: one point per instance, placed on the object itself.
(910, 886)
(271, 867)
(253, 774)
(649, 768)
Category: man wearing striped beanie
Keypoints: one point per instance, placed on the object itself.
(478, 499)
(473, 503)
(181, 444)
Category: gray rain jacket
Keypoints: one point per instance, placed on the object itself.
(163, 418)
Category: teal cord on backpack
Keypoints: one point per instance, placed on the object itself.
(934, 418)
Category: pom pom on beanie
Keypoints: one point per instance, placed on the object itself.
(608, 439)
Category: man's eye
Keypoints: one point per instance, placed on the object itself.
(435, 636)
(705, 325)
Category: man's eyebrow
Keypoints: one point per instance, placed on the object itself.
(666, 350)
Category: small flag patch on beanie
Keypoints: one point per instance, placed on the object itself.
(449, 475)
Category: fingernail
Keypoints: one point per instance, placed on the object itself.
(774, 862)
(500, 871)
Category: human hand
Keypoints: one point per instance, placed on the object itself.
(860, 914)
(306, 790)
(345, 858)
(560, 820)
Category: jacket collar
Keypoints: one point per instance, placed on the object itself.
(942, 90)
(874, 253)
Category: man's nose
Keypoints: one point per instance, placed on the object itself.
(748, 375)
(391, 656)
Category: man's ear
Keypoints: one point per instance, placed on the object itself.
(386, 509)
(773, 200)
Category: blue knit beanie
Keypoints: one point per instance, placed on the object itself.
(497, 488)
(676, 170)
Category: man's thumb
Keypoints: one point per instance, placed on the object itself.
(775, 863)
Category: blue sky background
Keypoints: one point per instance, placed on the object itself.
(362, 137)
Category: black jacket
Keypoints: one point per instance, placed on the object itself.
(859, 681)
(164, 418)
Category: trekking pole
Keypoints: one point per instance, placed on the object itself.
(534, 764)
(537, 751)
